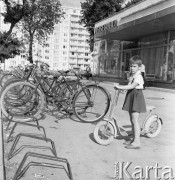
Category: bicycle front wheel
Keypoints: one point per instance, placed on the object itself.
(91, 103)
(21, 101)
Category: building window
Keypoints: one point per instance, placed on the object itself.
(56, 46)
(56, 52)
(56, 40)
(46, 57)
(74, 11)
(46, 51)
(64, 52)
(55, 64)
(86, 54)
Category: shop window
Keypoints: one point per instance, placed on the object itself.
(172, 36)
(102, 47)
(159, 61)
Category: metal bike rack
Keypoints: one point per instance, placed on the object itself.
(9, 122)
(27, 124)
(21, 171)
(13, 152)
(9, 119)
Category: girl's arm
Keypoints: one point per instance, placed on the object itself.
(126, 87)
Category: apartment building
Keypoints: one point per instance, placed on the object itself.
(67, 47)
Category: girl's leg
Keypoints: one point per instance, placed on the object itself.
(136, 128)
(127, 142)
(130, 118)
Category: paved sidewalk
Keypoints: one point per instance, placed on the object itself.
(166, 110)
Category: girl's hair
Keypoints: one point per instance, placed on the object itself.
(136, 60)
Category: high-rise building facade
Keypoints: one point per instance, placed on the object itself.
(67, 47)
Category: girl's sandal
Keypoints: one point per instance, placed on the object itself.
(127, 142)
(130, 146)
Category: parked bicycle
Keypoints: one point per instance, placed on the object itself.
(22, 100)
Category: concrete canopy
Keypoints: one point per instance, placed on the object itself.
(150, 24)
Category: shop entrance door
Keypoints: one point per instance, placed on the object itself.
(126, 56)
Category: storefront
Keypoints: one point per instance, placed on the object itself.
(146, 29)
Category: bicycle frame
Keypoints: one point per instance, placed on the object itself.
(111, 118)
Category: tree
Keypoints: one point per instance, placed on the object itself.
(14, 13)
(131, 2)
(96, 10)
(39, 22)
(9, 44)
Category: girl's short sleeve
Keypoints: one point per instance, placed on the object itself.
(139, 79)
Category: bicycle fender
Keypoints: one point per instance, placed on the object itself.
(113, 125)
(161, 120)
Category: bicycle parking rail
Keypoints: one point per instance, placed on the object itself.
(14, 151)
(27, 124)
(2, 167)
(21, 171)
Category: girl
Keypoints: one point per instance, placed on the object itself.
(134, 101)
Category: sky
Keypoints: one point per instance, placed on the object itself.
(71, 3)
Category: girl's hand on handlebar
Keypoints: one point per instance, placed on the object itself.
(123, 91)
(116, 86)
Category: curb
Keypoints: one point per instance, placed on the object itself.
(172, 91)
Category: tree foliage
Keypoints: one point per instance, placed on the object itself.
(15, 11)
(9, 44)
(10, 47)
(40, 20)
(96, 10)
(132, 2)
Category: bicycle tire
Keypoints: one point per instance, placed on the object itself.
(152, 126)
(84, 110)
(104, 133)
(10, 81)
(24, 115)
(4, 78)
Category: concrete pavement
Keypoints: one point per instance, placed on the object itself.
(157, 150)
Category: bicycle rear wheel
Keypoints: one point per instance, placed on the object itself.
(91, 103)
(21, 101)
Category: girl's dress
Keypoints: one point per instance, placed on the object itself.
(134, 100)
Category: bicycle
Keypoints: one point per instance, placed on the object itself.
(22, 101)
(108, 129)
